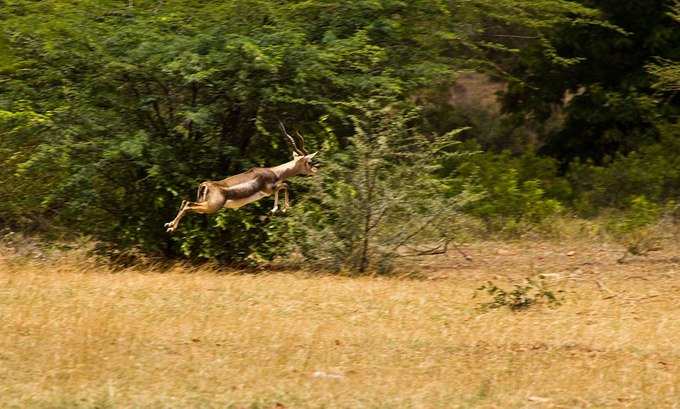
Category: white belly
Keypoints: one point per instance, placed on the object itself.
(235, 204)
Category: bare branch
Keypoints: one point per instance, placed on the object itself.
(441, 248)
(512, 36)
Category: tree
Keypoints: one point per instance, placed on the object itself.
(380, 199)
(592, 79)
(667, 71)
(112, 111)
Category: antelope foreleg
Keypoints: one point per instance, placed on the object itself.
(276, 201)
(277, 189)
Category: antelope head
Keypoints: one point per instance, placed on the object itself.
(304, 164)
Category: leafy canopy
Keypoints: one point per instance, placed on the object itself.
(112, 111)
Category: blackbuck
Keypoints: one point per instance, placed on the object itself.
(249, 186)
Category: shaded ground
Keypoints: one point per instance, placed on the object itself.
(76, 335)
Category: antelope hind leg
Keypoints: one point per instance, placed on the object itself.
(172, 225)
(206, 206)
(213, 200)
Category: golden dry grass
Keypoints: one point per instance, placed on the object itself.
(76, 335)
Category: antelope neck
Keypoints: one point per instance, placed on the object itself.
(286, 170)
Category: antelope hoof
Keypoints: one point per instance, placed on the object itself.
(170, 229)
(274, 210)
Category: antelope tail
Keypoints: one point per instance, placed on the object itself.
(201, 193)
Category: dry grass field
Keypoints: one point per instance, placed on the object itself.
(74, 335)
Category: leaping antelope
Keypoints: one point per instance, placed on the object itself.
(249, 186)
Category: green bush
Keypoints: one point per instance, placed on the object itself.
(532, 292)
(513, 197)
(111, 113)
(636, 227)
(652, 171)
(378, 200)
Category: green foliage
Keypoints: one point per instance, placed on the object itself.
(635, 228)
(667, 71)
(513, 197)
(653, 171)
(532, 292)
(379, 199)
(641, 213)
(111, 112)
(604, 97)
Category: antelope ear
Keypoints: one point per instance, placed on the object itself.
(312, 155)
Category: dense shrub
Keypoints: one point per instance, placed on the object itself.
(652, 171)
(517, 192)
(111, 112)
(534, 291)
(379, 199)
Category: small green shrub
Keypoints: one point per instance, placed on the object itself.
(377, 200)
(532, 292)
(514, 196)
(652, 171)
(636, 228)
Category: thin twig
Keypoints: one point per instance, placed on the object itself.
(604, 288)
(512, 36)
(458, 249)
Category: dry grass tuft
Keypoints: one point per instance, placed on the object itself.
(76, 335)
